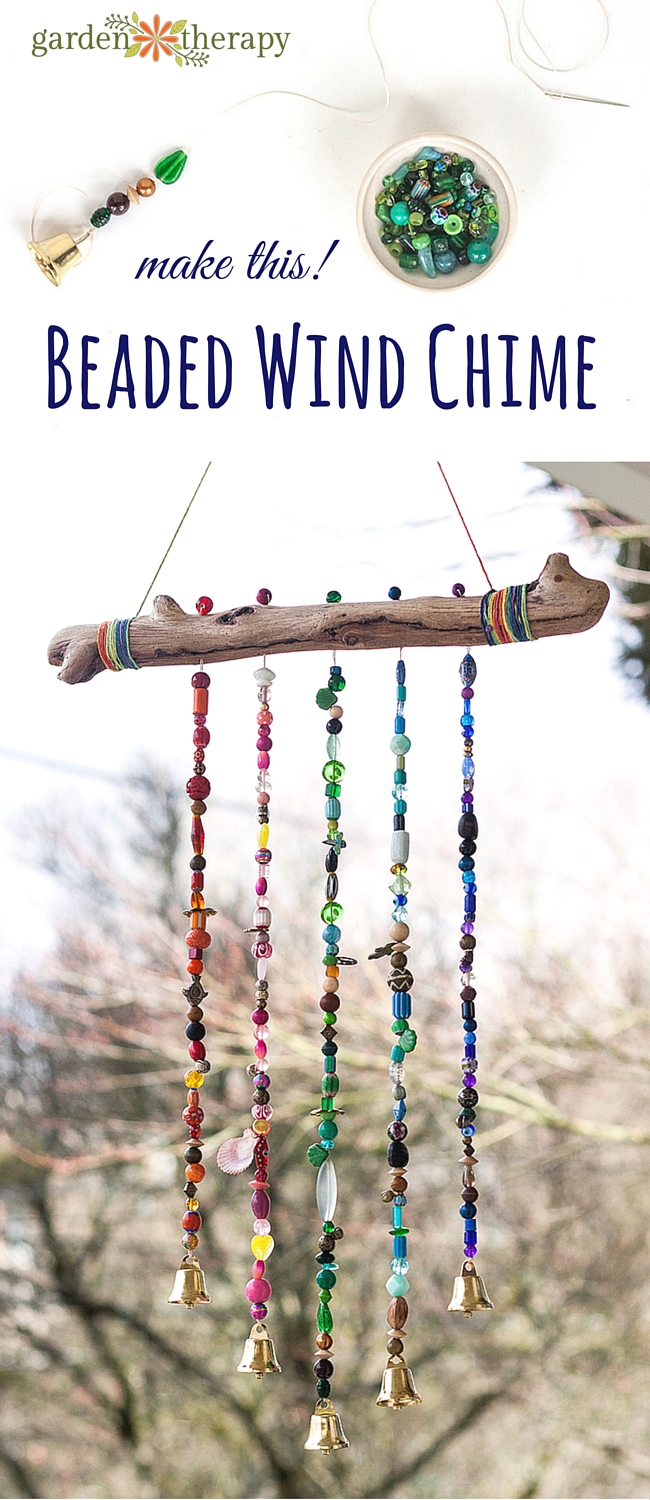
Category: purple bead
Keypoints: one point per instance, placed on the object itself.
(465, 966)
(263, 856)
(261, 1080)
(458, 590)
(469, 1079)
(260, 1204)
(467, 693)
(468, 797)
(259, 1311)
(467, 927)
(471, 1251)
(397, 1131)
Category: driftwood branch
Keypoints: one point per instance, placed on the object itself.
(560, 602)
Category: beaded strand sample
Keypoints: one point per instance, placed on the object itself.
(398, 1388)
(320, 1152)
(190, 1288)
(472, 1296)
(258, 1289)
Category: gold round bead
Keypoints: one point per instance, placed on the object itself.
(146, 187)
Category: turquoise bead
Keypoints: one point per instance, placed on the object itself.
(400, 213)
(397, 1054)
(328, 1130)
(400, 806)
(332, 807)
(446, 261)
(326, 1279)
(426, 261)
(400, 744)
(409, 1040)
(401, 692)
(397, 1285)
(478, 252)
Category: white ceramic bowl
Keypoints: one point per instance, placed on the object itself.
(487, 170)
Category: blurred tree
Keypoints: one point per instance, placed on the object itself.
(108, 1391)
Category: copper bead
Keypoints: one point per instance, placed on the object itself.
(146, 187)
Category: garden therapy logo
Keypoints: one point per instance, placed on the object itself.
(156, 40)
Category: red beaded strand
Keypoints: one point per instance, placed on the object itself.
(198, 940)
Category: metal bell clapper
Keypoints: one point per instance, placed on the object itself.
(259, 1358)
(189, 1284)
(469, 1294)
(398, 1387)
(58, 254)
(325, 1430)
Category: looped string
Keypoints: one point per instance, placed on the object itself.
(524, 30)
(114, 647)
(504, 615)
(88, 234)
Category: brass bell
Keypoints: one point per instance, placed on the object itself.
(469, 1294)
(58, 254)
(325, 1431)
(398, 1387)
(189, 1284)
(259, 1357)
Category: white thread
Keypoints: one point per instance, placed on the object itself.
(88, 234)
(548, 66)
(310, 98)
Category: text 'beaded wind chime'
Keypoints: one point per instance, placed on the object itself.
(559, 602)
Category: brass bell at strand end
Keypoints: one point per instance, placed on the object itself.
(58, 254)
(189, 1284)
(325, 1430)
(398, 1387)
(259, 1356)
(469, 1294)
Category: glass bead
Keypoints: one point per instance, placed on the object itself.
(262, 1246)
(325, 697)
(326, 1191)
(316, 1155)
(261, 1226)
(169, 168)
(399, 213)
(118, 204)
(396, 1072)
(326, 1279)
(334, 770)
(100, 217)
(331, 911)
(400, 744)
(333, 596)
(409, 1040)
(193, 1080)
(324, 1319)
(397, 1285)
(400, 1265)
(479, 251)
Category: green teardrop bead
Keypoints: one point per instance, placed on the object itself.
(169, 168)
(324, 1320)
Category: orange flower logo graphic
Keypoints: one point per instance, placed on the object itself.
(156, 38)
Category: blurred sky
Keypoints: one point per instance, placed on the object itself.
(562, 745)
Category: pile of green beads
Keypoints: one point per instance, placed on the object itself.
(435, 215)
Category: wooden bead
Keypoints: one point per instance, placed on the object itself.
(146, 187)
(395, 1346)
(400, 931)
(198, 808)
(398, 1311)
(194, 1013)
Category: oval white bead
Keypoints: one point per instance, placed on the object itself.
(265, 675)
(326, 1191)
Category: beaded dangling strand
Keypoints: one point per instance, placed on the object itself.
(326, 1432)
(469, 1293)
(189, 1286)
(236, 1155)
(398, 1387)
